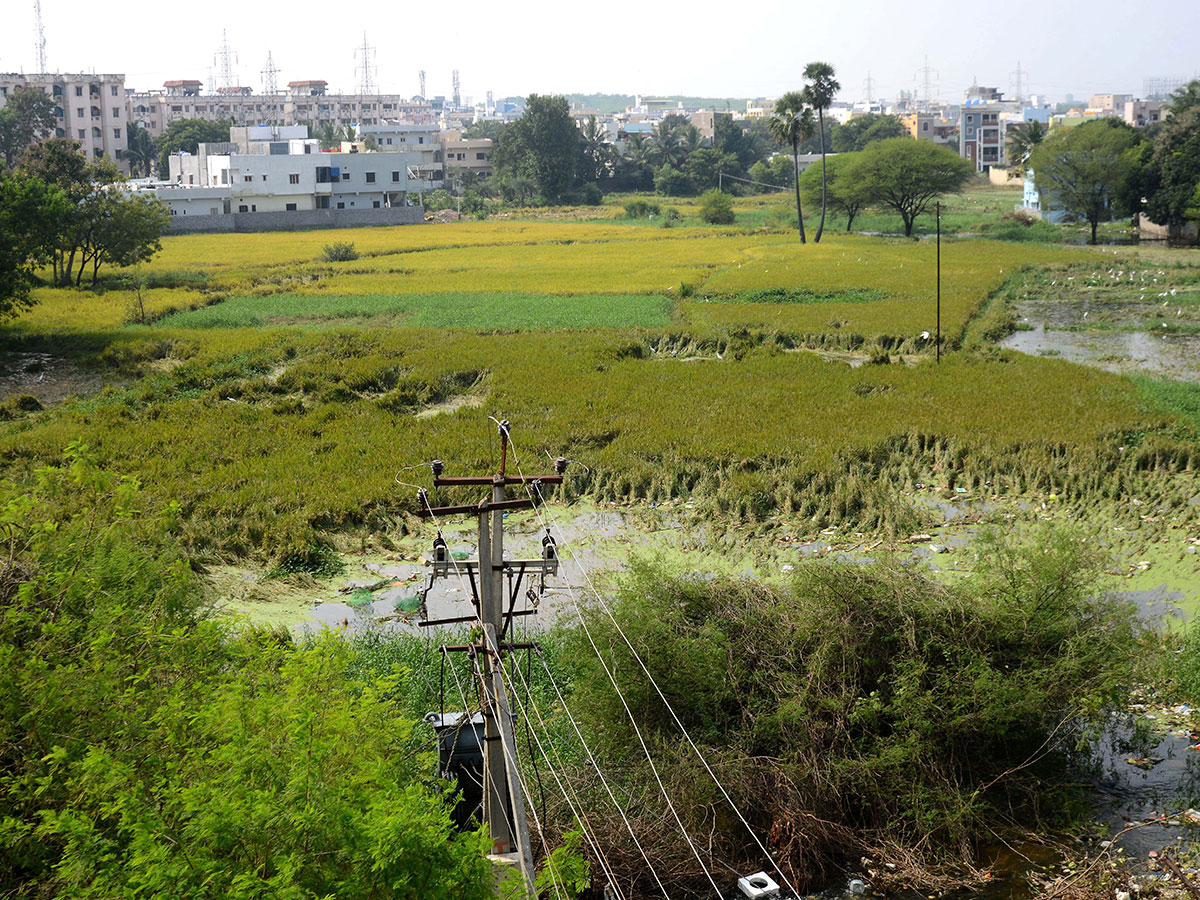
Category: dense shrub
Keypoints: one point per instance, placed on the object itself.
(861, 703)
(716, 208)
(339, 251)
(146, 752)
(640, 209)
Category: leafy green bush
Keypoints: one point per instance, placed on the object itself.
(862, 703)
(716, 207)
(339, 251)
(147, 752)
(640, 209)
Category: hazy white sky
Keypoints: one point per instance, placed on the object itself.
(628, 46)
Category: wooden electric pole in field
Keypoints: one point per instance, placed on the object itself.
(503, 793)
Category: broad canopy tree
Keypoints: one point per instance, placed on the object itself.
(1091, 170)
(906, 175)
(97, 222)
(27, 117)
(845, 190)
(543, 146)
(30, 214)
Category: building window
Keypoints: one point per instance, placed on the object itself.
(294, 178)
(395, 176)
(117, 133)
(480, 156)
(370, 178)
(247, 178)
(243, 208)
(264, 178)
(116, 112)
(78, 91)
(253, 207)
(290, 207)
(375, 204)
(345, 176)
(341, 205)
(114, 90)
(79, 112)
(81, 134)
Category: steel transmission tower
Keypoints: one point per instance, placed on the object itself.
(456, 94)
(225, 60)
(421, 78)
(269, 76)
(39, 45)
(926, 77)
(366, 67)
(1020, 80)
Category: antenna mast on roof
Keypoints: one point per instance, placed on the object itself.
(39, 36)
(421, 79)
(455, 94)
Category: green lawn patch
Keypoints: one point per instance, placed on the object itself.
(492, 310)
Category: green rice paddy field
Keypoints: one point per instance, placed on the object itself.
(275, 396)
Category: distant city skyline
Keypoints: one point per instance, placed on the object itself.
(539, 46)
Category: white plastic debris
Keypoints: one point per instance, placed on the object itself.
(758, 886)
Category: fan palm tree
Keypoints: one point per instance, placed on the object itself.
(819, 94)
(791, 124)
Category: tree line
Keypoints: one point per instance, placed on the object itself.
(1105, 169)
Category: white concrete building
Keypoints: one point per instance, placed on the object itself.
(254, 183)
(89, 109)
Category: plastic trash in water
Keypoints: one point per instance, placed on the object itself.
(408, 604)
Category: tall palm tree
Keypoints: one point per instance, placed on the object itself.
(691, 139)
(791, 124)
(666, 145)
(1023, 141)
(819, 94)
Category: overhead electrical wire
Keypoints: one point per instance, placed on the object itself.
(539, 507)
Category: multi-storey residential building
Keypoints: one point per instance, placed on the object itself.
(1109, 104)
(981, 134)
(467, 154)
(1140, 113)
(304, 102)
(253, 183)
(930, 127)
(89, 109)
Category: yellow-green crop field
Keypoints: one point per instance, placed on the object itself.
(275, 395)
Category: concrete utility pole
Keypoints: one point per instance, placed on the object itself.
(503, 795)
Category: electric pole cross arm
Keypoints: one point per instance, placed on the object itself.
(503, 792)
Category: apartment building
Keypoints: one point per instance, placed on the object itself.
(981, 134)
(274, 183)
(89, 109)
(1140, 113)
(467, 154)
(304, 102)
(930, 127)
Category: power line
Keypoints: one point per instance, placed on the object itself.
(661, 695)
